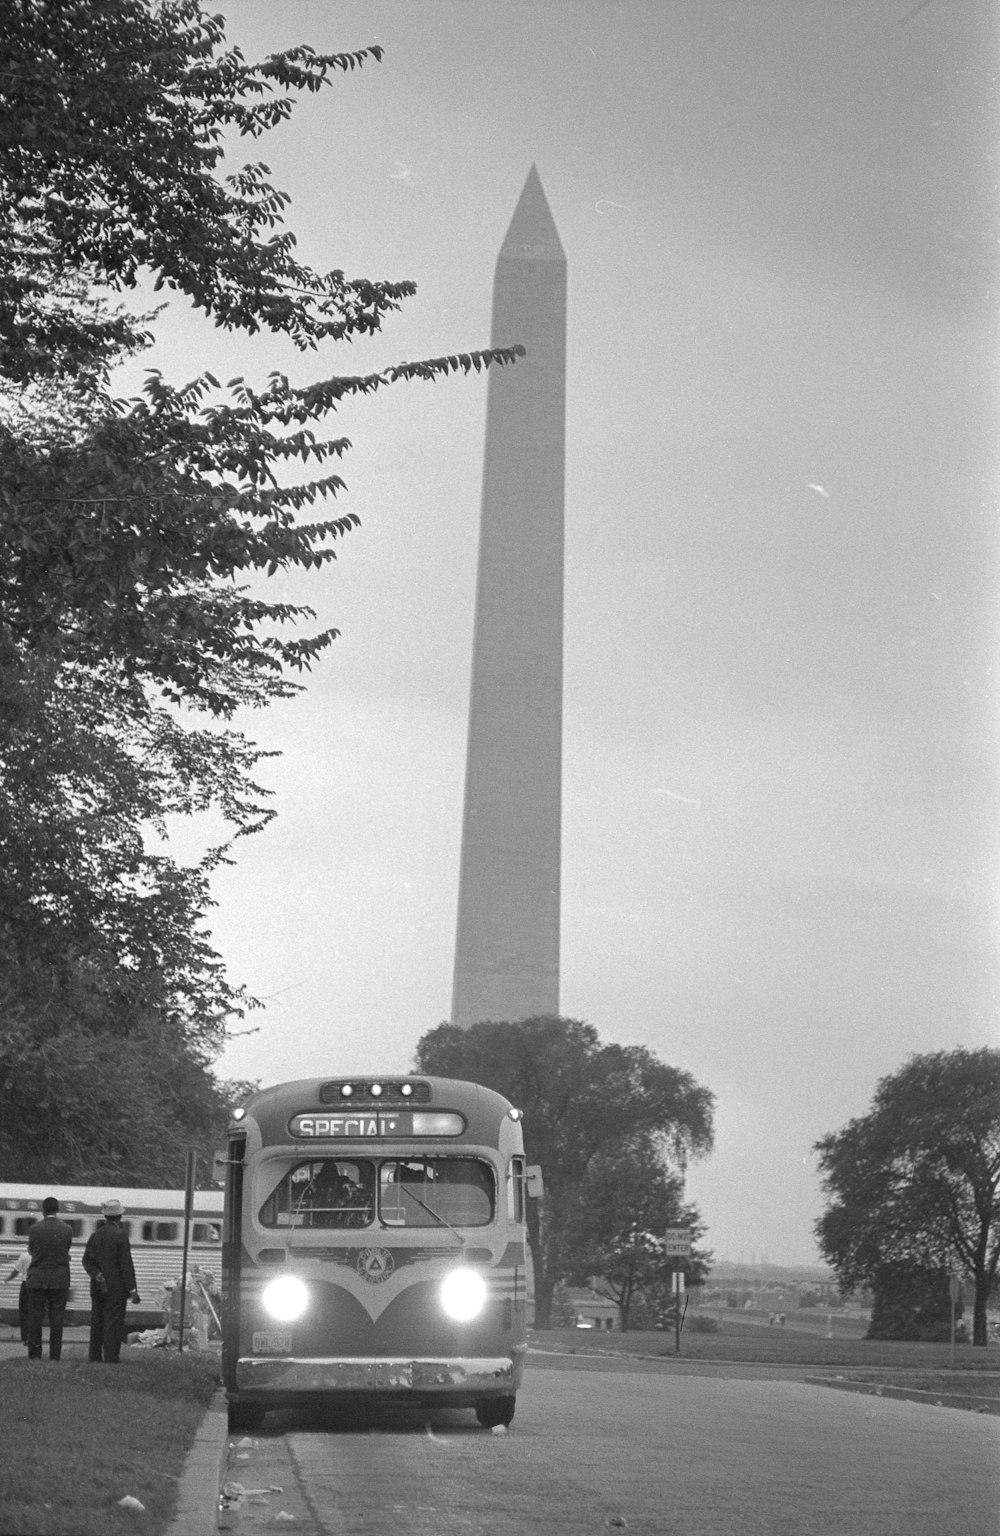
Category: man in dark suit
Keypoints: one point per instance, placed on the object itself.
(47, 1280)
(107, 1259)
(98, 1289)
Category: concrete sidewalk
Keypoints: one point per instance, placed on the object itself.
(977, 1402)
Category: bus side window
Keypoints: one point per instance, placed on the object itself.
(159, 1231)
(24, 1224)
(515, 1189)
(205, 1232)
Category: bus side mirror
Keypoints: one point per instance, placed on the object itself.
(533, 1181)
(219, 1164)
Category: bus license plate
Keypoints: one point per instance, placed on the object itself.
(272, 1343)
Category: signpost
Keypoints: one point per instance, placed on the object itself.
(189, 1171)
(955, 1290)
(678, 1249)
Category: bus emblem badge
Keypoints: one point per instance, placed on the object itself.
(375, 1264)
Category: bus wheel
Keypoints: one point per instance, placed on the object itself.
(493, 1411)
(246, 1416)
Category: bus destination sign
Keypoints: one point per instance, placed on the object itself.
(364, 1125)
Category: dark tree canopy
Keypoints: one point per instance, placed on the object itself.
(85, 1107)
(913, 1302)
(136, 537)
(915, 1181)
(579, 1098)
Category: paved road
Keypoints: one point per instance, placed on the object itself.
(600, 1445)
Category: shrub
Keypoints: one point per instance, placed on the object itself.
(912, 1302)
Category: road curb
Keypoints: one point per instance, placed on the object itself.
(966, 1400)
(197, 1511)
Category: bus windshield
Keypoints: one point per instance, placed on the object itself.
(325, 1192)
(412, 1192)
(436, 1191)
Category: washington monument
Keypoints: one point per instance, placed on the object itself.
(507, 945)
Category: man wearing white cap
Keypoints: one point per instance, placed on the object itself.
(107, 1259)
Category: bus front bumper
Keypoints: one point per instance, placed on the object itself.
(427, 1377)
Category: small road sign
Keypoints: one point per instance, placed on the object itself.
(678, 1244)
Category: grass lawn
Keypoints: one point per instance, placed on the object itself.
(77, 1437)
(749, 1343)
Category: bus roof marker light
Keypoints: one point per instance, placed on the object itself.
(238, 1114)
(346, 1090)
(406, 1089)
(515, 1114)
(376, 1090)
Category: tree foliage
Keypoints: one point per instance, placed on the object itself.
(617, 1222)
(113, 1001)
(90, 909)
(913, 1303)
(124, 525)
(136, 536)
(579, 1098)
(113, 116)
(915, 1181)
(92, 1107)
(123, 539)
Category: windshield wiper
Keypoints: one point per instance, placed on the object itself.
(433, 1214)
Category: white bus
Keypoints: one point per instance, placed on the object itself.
(374, 1247)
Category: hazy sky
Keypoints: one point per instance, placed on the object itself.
(780, 743)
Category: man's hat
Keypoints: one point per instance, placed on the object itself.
(112, 1208)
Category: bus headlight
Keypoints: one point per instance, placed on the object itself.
(285, 1298)
(463, 1294)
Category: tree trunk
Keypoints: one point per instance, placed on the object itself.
(544, 1287)
(979, 1334)
(544, 1280)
